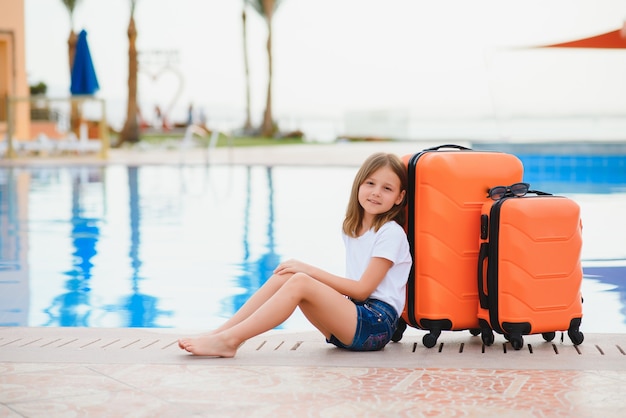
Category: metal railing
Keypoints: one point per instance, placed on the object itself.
(72, 119)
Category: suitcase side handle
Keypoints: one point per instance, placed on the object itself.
(438, 147)
(482, 257)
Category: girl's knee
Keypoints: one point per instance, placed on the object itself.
(279, 279)
(300, 280)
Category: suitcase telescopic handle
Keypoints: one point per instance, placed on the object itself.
(438, 147)
(539, 193)
(482, 257)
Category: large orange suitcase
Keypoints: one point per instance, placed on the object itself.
(529, 269)
(445, 195)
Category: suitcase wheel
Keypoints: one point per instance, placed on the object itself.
(548, 336)
(475, 331)
(517, 341)
(486, 332)
(487, 337)
(574, 333)
(430, 340)
(576, 336)
(400, 328)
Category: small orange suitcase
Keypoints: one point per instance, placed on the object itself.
(445, 195)
(529, 269)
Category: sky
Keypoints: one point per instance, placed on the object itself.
(447, 59)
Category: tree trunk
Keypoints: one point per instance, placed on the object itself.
(74, 110)
(71, 48)
(130, 132)
(267, 128)
(248, 123)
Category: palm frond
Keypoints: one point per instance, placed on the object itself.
(70, 5)
(259, 6)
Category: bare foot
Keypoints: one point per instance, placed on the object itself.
(208, 345)
(206, 334)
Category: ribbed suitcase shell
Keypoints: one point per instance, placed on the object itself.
(447, 189)
(530, 272)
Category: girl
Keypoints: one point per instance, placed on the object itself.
(357, 312)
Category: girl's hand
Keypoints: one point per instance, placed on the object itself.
(292, 266)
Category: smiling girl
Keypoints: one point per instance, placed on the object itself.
(357, 312)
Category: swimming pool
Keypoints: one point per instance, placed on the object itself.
(185, 246)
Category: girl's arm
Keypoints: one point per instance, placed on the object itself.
(359, 290)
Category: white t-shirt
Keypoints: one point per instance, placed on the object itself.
(390, 242)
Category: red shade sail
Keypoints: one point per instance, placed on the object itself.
(609, 40)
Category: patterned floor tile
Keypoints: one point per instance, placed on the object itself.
(264, 391)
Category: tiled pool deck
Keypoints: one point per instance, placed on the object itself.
(59, 372)
(142, 373)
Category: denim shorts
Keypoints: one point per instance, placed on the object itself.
(376, 323)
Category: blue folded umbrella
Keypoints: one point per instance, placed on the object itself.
(84, 80)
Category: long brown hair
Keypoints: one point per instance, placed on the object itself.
(354, 213)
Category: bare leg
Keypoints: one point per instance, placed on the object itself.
(327, 309)
(265, 292)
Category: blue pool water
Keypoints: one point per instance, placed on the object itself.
(185, 246)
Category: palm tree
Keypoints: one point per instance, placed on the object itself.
(70, 5)
(267, 8)
(130, 131)
(247, 126)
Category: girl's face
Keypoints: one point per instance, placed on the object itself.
(380, 192)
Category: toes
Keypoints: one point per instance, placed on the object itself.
(183, 344)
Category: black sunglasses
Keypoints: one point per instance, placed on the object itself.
(515, 189)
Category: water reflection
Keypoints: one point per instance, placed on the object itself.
(74, 308)
(71, 309)
(611, 275)
(162, 246)
(255, 272)
(137, 309)
(14, 267)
